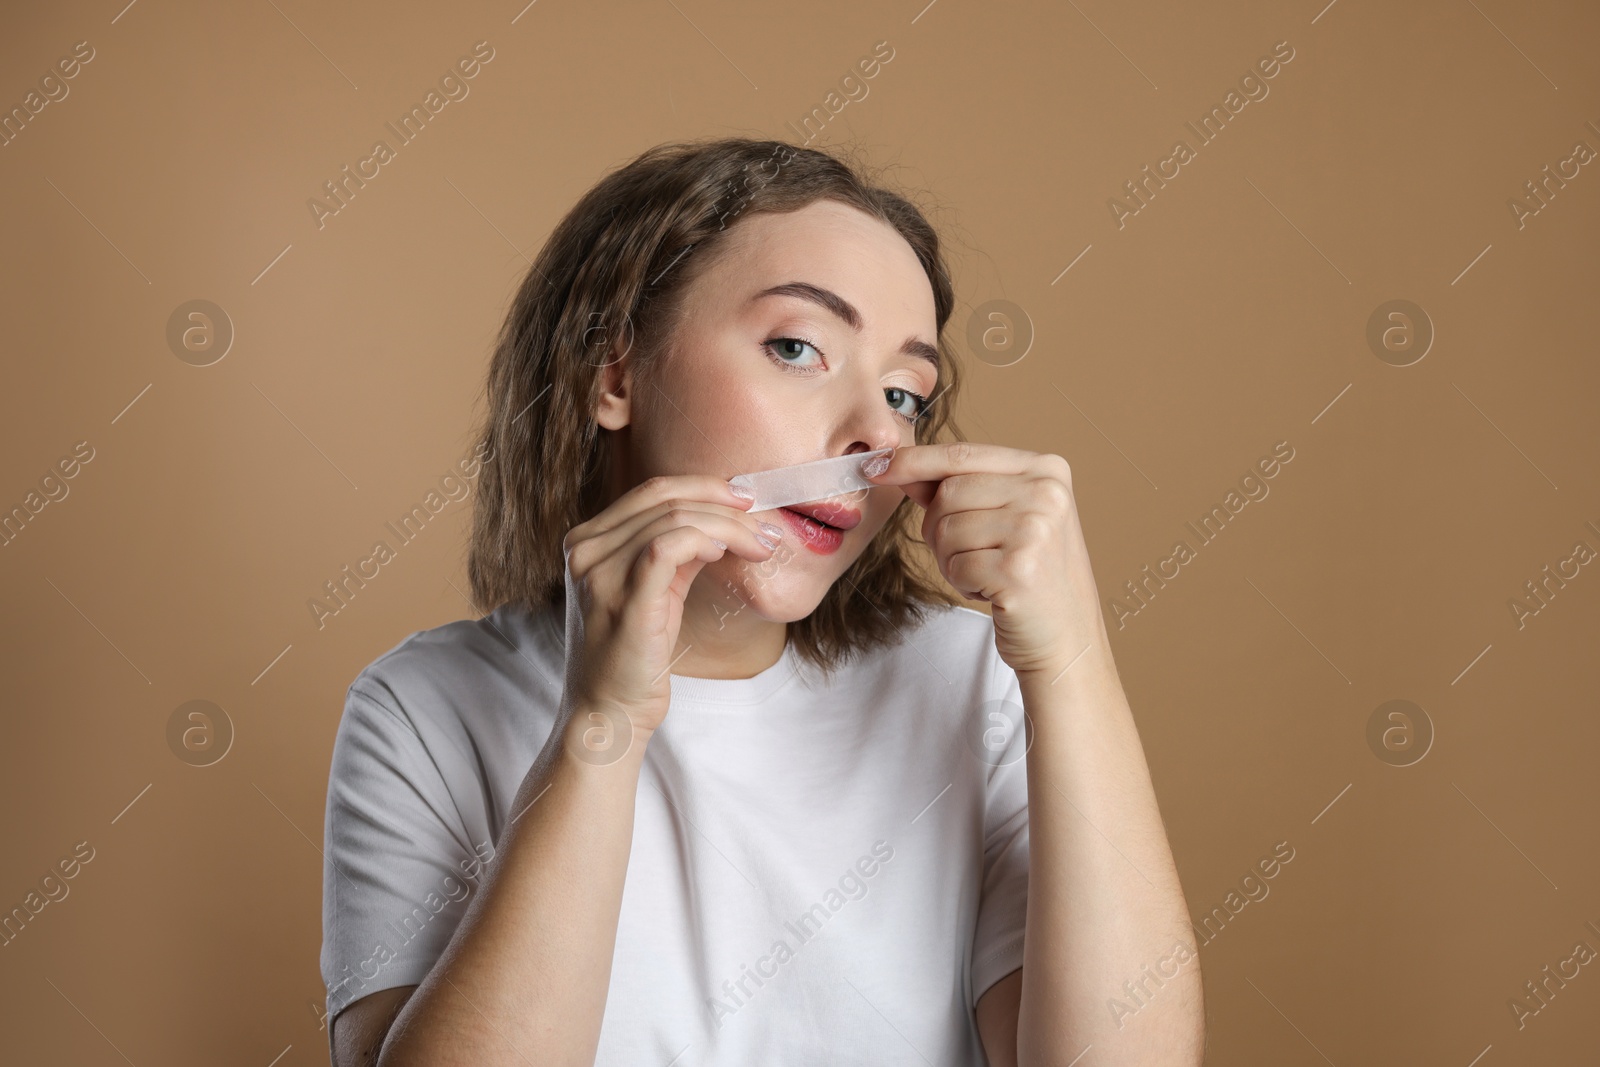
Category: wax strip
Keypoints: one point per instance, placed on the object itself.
(804, 482)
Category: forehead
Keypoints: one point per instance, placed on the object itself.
(837, 247)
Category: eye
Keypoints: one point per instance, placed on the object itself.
(781, 348)
(921, 406)
(778, 349)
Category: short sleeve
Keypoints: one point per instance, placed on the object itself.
(1003, 903)
(398, 867)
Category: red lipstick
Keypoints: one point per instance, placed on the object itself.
(839, 516)
(818, 536)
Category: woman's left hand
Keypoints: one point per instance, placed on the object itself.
(1003, 525)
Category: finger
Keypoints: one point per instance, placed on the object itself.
(971, 572)
(970, 492)
(912, 466)
(741, 535)
(965, 531)
(682, 548)
(627, 539)
(653, 492)
(611, 560)
(919, 491)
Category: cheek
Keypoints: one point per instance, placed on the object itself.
(722, 414)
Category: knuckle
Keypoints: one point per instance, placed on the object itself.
(1022, 569)
(577, 555)
(654, 550)
(1056, 495)
(958, 452)
(656, 485)
(1036, 526)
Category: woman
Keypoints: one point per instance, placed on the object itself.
(821, 855)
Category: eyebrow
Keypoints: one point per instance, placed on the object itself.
(846, 311)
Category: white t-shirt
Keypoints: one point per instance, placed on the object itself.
(819, 873)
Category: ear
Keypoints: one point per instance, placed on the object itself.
(614, 406)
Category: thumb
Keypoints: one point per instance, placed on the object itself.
(921, 492)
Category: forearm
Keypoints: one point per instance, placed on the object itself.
(1105, 906)
(524, 978)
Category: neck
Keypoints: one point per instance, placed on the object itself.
(723, 637)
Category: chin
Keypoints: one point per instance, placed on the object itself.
(784, 597)
(785, 606)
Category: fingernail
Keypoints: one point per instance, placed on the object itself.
(743, 492)
(770, 530)
(723, 545)
(875, 466)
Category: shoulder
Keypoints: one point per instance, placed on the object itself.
(461, 669)
(955, 623)
(947, 660)
(954, 636)
(952, 666)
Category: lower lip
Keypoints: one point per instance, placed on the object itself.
(823, 540)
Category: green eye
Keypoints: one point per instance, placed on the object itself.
(922, 403)
(781, 348)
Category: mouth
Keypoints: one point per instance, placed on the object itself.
(839, 517)
(817, 535)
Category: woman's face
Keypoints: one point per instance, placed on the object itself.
(807, 338)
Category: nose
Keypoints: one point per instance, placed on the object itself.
(867, 427)
(870, 425)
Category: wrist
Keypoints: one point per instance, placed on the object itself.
(598, 734)
(1088, 665)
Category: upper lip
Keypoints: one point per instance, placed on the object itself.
(840, 515)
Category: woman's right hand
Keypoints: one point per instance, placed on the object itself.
(628, 570)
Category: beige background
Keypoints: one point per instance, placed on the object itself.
(1229, 314)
